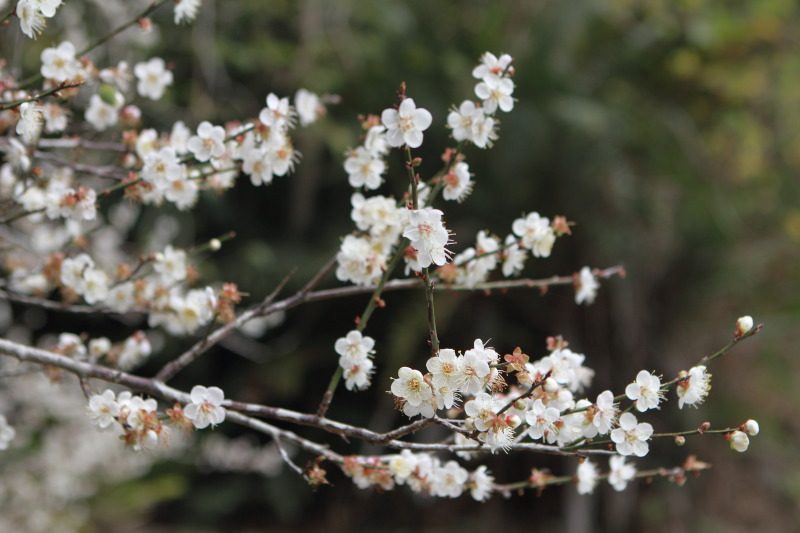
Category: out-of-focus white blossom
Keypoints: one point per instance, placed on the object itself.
(586, 286)
(59, 63)
(153, 78)
(620, 472)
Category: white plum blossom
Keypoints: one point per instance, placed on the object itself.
(137, 411)
(356, 373)
(360, 260)
(620, 472)
(99, 347)
(209, 142)
(586, 286)
(364, 169)
(308, 106)
(257, 164)
(122, 297)
(645, 391)
(402, 465)
(457, 183)
(604, 412)
(95, 286)
(72, 270)
(481, 484)
(7, 433)
(428, 236)
(587, 477)
(277, 114)
(535, 234)
(491, 66)
(354, 352)
(404, 125)
(170, 265)
(496, 93)
(379, 215)
(631, 436)
(182, 192)
(162, 167)
(449, 481)
(375, 141)
(206, 406)
(476, 372)
(354, 346)
(102, 115)
(179, 137)
(470, 123)
(71, 345)
(693, 386)
(74, 205)
(55, 118)
(31, 19)
(186, 10)
(541, 420)
(59, 63)
(153, 78)
(103, 409)
(193, 311)
(482, 409)
(446, 369)
(513, 257)
(31, 121)
(135, 350)
(411, 386)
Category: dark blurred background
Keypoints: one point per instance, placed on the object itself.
(666, 129)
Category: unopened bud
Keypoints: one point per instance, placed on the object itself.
(680, 440)
(513, 421)
(743, 325)
(551, 385)
(705, 426)
(107, 94)
(214, 244)
(751, 427)
(520, 405)
(739, 441)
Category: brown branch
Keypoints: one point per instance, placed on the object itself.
(185, 359)
(242, 413)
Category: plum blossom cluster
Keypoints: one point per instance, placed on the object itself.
(33, 14)
(474, 121)
(487, 401)
(137, 419)
(58, 196)
(532, 235)
(363, 257)
(618, 476)
(421, 473)
(543, 405)
(126, 355)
